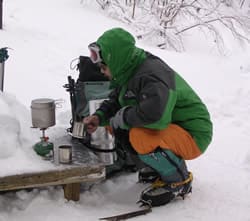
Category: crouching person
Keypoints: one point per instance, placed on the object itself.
(166, 121)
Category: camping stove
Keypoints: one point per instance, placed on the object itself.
(44, 148)
(43, 117)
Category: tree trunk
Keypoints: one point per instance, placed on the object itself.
(133, 13)
(1, 14)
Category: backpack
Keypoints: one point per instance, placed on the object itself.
(91, 84)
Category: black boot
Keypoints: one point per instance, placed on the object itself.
(161, 193)
(168, 187)
(147, 175)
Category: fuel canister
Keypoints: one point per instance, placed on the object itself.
(44, 148)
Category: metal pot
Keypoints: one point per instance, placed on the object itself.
(43, 113)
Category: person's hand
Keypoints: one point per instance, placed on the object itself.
(118, 120)
(91, 122)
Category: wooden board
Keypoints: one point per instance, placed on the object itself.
(85, 167)
(53, 177)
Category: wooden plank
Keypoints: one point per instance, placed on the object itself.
(53, 177)
(72, 191)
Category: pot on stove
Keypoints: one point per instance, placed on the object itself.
(43, 112)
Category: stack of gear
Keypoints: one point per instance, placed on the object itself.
(93, 85)
(90, 85)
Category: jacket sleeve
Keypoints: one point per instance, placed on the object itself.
(108, 108)
(155, 102)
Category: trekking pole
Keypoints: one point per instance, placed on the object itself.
(3, 57)
(73, 98)
(70, 87)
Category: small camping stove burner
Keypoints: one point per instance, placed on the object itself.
(44, 148)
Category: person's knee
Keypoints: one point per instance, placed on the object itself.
(144, 140)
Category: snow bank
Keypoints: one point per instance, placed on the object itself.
(15, 125)
(17, 138)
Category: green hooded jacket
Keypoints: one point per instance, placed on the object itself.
(119, 52)
(154, 94)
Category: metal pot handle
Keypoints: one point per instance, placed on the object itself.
(58, 102)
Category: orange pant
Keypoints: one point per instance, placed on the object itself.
(173, 138)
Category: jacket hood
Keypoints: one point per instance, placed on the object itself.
(119, 52)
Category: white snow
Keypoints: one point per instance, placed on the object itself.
(45, 36)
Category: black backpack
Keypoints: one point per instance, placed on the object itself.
(89, 71)
(91, 84)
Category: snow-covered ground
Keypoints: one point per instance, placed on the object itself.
(45, 36)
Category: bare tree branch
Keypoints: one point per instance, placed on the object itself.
(168, 20)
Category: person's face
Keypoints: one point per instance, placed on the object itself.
(105, 70)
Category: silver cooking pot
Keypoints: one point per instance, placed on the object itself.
(43, 112)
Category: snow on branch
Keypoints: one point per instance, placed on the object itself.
(166, 22)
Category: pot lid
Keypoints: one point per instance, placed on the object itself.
(43, 103)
